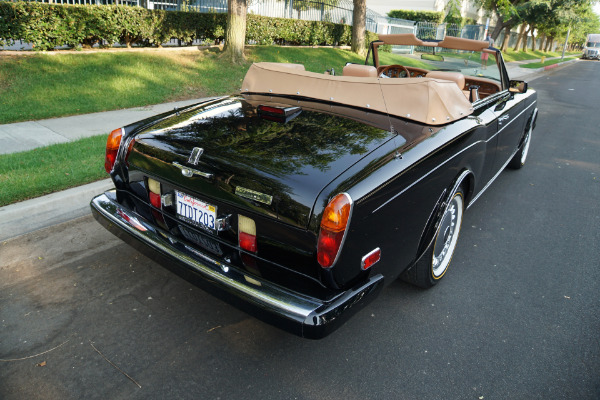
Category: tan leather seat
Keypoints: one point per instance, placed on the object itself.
(360, 70)
(448, 76)
(456, 77)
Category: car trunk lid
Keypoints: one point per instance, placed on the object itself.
(272, 164)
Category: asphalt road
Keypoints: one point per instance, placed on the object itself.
(516, 317)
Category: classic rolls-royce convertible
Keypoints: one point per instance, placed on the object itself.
(299, 198)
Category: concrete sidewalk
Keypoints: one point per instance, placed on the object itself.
(28, 216)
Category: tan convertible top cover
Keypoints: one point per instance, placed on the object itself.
(425, 100)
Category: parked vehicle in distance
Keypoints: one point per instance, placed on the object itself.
(591, 50)
(298, 199)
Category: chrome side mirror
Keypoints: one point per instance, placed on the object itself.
(517, 86)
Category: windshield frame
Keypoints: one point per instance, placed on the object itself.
(501, 77)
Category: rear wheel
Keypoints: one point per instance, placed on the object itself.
(434, 263)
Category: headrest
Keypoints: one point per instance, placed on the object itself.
(448, 76)
(360, 70)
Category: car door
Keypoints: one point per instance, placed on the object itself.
(509, 113)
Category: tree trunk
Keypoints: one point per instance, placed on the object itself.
(504, 46)
(533, 39)
(235, 33)
(497, 29)
(525, 36)
(520, 38)
(359, 16)
(542, 42)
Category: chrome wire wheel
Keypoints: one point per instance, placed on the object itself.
(447, 236)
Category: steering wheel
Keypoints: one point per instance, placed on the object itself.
(395, 71)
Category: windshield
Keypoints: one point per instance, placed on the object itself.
(476, 64)
(469, 63)
(593, 44)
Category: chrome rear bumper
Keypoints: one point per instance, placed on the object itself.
(302, 315)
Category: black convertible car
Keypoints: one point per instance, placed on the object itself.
(298, 199)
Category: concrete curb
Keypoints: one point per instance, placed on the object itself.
(30, 215)
(557, 65)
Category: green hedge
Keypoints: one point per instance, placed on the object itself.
(419, 16)
(47, 26)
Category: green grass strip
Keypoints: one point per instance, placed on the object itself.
(52, 168)
(546, 63)
(512, 55)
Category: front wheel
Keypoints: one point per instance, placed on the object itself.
(434, 263)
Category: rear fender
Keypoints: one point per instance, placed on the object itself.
(434, 218)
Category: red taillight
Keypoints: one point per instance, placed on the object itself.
(112, 148)
(154, 199)
(333, 228)
(248, 242)
(247, 233)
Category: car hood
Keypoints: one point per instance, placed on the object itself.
(269, 163)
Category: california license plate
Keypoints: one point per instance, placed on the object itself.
(195, 211)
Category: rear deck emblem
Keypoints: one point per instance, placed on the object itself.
(254, 195)
(195, 156)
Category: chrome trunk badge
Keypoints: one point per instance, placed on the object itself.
(254, 195)
(195, 156)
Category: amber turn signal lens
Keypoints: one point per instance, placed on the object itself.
(336, 214)
(112, 148)
(333, 229)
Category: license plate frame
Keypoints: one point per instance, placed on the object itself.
(196, 211)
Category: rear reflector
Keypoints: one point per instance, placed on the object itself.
(371, 258)
(272, 110)
(247, 233)
(132, 220)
